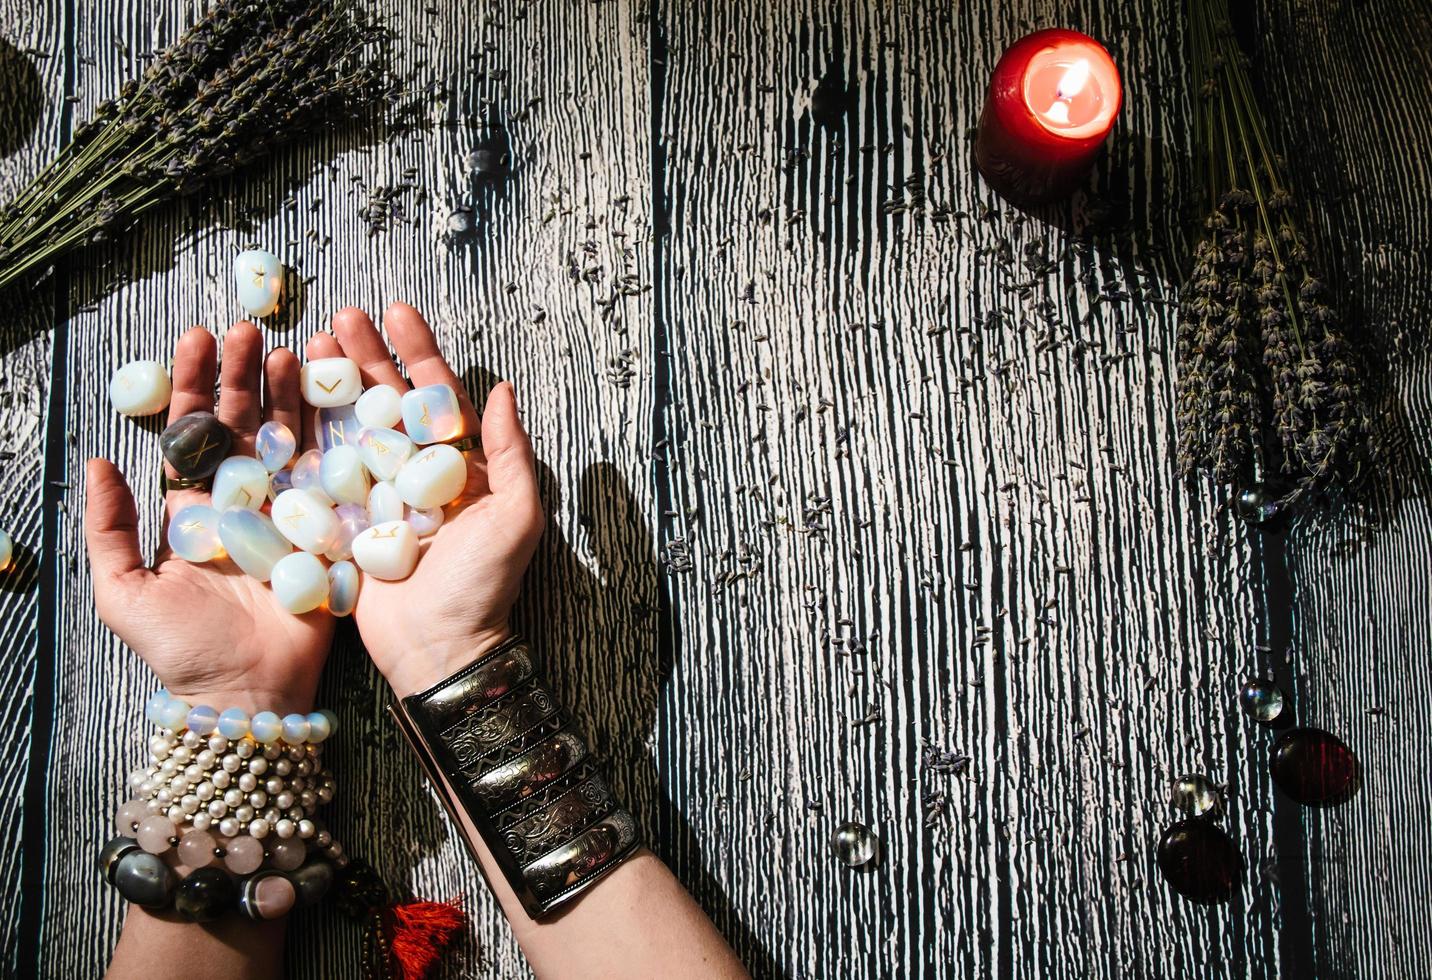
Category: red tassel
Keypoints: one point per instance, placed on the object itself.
(418, 932)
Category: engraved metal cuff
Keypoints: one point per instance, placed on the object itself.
(500, 750)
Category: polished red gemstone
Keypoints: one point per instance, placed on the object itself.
(1199, 860)
(1315, 767)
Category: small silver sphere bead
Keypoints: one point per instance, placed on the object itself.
(258, 765)
(244, 749)
(190, 803)
(248, 782)
(192, 739)
(217, 808)
(258, 829)
(182, 754)
(229, 827)
(205, 791)
(202, 821)
(244, 813)
(221, 779)
(285, 828)
(232, 763)
(218, 744)
(233, 797)
(282, 766)
(306, 829)
(283, 800)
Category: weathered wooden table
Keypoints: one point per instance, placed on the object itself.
(844, 457)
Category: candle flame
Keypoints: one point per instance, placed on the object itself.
(1074, 80)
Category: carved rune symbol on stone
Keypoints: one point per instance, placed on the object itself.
(248, 497)
(335, 429)
(379, 448)
(426, 419)
(392, 533)
(296, 517)
(258, 272)
(204, 447)
(329, 388)
(191, 525)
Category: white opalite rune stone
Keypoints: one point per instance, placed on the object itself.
(343, 476)
(306, 475)
(194, 534)
(384, 451)
(384, 504)
(330, 381)
(431, 414)
(342, 588)
(140, 388)
(240, 481)
(336, 426)
(259, 278)
(380, 407)
(425, 521)
(300, 582)
(305, 520)
(387, 551)
(274, 445)
(252, 541)
(352, 521)
(434, 477)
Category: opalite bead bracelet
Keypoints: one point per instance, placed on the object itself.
(265, 727)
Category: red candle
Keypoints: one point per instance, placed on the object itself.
(1051, 103)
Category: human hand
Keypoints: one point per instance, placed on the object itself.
(455, 605)
(214, 635)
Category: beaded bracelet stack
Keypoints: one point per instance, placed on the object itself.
(229, 803)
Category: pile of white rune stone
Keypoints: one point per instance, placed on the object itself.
(377, 482)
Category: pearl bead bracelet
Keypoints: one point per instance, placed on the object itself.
(265, 727)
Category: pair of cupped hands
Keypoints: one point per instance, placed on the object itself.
(215, 636)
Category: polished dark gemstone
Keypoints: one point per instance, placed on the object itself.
(1196, 796)
(205, 894)
(144, 879)
(1261, 700)
(832, 101)
(312, 881)
(1199, 860)
(1257, 505)
(109, 857)
(492, 155)
(1315, 767)
(195, 445)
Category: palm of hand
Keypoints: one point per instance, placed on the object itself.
(213, 629)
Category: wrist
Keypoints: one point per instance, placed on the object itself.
(251, 701)
(419, 668)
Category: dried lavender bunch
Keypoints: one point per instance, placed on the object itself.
(249, 77)
(1269, 390)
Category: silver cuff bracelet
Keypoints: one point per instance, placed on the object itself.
(499, 749)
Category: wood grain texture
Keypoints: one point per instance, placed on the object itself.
(844, 458)
(32, 111)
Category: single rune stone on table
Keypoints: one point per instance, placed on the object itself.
(258, 276)
(1199, 860)
(854, 845)
(140, 388)
(195, 445)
